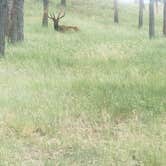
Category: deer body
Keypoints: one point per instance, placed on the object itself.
(61, 28)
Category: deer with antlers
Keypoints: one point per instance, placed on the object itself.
(61, 28)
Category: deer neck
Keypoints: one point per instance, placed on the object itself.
(56, 26)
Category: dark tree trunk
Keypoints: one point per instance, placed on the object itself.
(12, 34)
(45, 13)
(151, 19)
(116, 16)
(164, 19)
(3, 16)
(20, 21)
(9, 11)
(16, 28)
(63, 2)
(141, 8)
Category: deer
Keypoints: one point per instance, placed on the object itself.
(61, 28)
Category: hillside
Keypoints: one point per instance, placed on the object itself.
(96, 97)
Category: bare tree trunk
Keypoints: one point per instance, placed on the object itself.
(157, 6)
(151, 19)
(116, 16)
(164, 19)
(3, 16)
(45, 13)
(63, 2)
(9, 11)
(12, 34)
(141, 8)
(20, 20)
(16, 29)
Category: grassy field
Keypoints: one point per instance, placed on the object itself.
(92, 98)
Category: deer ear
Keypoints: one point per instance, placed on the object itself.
(63, 15)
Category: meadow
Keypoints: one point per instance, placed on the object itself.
(92, 98)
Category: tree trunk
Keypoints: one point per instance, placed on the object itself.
(45, 13)
(151, 19)
(141, 8)
(20, 21)
(63, 2)
(3, 16)
(157, 6)
(12, 34)
(9, 11)
(164, 19)
(16, 29)
(116, 17)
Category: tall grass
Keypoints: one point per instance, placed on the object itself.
(96, 97)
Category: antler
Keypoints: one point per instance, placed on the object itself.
(51, 16)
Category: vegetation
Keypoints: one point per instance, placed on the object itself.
(95, 97)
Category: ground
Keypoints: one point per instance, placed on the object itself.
(95, 97)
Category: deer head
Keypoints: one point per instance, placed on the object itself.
(56, 19)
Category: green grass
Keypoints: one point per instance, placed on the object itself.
(96, 97)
